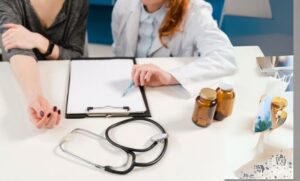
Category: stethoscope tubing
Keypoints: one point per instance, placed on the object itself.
(132, 151)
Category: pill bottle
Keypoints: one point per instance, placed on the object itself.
(205, 107)
(225, 101)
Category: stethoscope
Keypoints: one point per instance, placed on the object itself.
(131, 162)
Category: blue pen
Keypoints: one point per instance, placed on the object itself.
(127, 90)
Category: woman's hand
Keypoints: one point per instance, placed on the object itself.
(151, 75)
(17, 36)
(42, 114)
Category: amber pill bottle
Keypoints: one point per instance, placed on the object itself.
(205, 107)
(225, 101)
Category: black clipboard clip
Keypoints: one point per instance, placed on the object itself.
(126, 108)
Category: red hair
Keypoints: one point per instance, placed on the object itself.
(173, 20)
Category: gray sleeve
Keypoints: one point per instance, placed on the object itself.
(11, 13)
(74, 47)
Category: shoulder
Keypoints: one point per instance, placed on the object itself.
(126, 3)
(76, 8)
(122, 6)
(197, 5)
(79, 5)
(10, 4)
(200, 12)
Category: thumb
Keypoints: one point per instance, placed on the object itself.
(40, 111)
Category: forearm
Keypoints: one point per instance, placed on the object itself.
(26, 71)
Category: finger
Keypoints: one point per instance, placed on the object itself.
(48, 119)
(12, 45)
(52, 121)
(142, 77)
(40, 110)
(6, 36)
(10, 25)
(42, 122)
(9, 44)
(148, 76)
(53, 118)
(136, 77)
(33, 118)
(59, 117)
(6, 39)
(9, 33)
(33, 115)
(134, 67)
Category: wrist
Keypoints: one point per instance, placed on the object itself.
(41, 43)
(32, 97)
(170, 79)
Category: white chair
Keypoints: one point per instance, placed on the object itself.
(246, 8)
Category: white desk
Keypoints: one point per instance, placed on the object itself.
(194, 153)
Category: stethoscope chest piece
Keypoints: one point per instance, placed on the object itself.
(131, 163)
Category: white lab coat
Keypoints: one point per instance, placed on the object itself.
(200, 37)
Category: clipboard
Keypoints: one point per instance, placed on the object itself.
(94, 110)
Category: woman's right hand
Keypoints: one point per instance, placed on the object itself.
(43, 114)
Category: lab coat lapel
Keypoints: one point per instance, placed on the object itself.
(132, 30)
(156, 45)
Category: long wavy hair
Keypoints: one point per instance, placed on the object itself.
(176, 12)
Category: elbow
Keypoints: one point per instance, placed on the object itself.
(231, 65)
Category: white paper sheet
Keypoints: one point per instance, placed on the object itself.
(99, 83)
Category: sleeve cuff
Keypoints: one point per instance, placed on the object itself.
(192, 87)
(7, 55)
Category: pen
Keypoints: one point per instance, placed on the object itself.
(127, 90)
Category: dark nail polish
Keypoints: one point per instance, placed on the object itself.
(59, 111)
(48, 116)
(42, 113)
(54, 109)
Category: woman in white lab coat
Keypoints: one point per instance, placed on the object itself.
(172, 28)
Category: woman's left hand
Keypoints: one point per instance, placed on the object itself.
(151, 75)
(17, 36)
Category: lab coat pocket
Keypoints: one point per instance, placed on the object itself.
(163, 52)
(188, 52)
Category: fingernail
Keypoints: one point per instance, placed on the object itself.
(42, 113)
(58, 111)
(54, 109)
(48, 116)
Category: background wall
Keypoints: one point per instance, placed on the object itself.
(274, 36)
(99, 30)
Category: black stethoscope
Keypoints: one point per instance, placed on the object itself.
(158, 139)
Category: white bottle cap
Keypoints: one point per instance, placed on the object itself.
(226, 86)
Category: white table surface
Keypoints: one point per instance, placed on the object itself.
(194, 153)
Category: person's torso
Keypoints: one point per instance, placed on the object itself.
(181, 44)
(63, 25)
